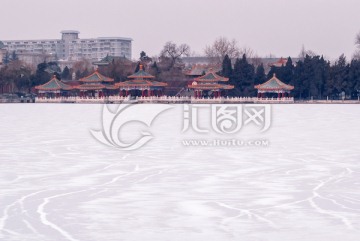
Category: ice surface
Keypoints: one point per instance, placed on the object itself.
(58, 183)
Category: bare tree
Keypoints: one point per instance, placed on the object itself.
(357, 40)
(255, 60)
(356, 55)
(357, 43)
(173, 53)
(249, 53)
(221, 47)
(304, 52)
(81, 67)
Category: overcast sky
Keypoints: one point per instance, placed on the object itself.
(278, 27)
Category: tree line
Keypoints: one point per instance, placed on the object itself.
(313, 77)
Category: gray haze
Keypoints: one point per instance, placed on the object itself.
(278, 27)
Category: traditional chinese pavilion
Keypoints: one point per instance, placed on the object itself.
(53, 88)
(274, 86)
(141, 84)
(209, 83)
(96, 85)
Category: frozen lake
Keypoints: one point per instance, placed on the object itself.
(58, 183)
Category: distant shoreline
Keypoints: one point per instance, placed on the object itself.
(310, 102)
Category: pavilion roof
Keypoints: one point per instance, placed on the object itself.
(211, 76)
(281, 62)
(108, 59)
(54, 85)
(274, 84)
(141, 74)
(141, 79)
(200, 69)
(96, 77)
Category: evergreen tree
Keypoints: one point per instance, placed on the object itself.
(273, 70)
(57, 75)
(6, 59)
(354, 78)
(288, 71)
(338, 81)
(226, 67)
(155, 69)
(78, 74)
(260, 76)
(66, 75)
(41, 75)
(14, 56)
(298, 80)
(85, 73)
(144, 57)
(243, 77)
(309, 78)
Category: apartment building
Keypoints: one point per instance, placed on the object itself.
(70, 47)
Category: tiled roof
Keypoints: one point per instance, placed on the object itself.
(141, 79)
(274, 84)
(200, 69)
(53, 85)
(96, 77)
(108, 59)
(212, 77)
(279, 63)
(141, 74)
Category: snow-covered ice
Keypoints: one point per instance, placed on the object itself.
(58, 183)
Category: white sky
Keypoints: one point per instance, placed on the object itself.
(279, 27)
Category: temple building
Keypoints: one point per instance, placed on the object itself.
(198, 70)
(280, 62)
(141, 84)
(209, 85)
(53, 88)
(272, 87)
(96, 85)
